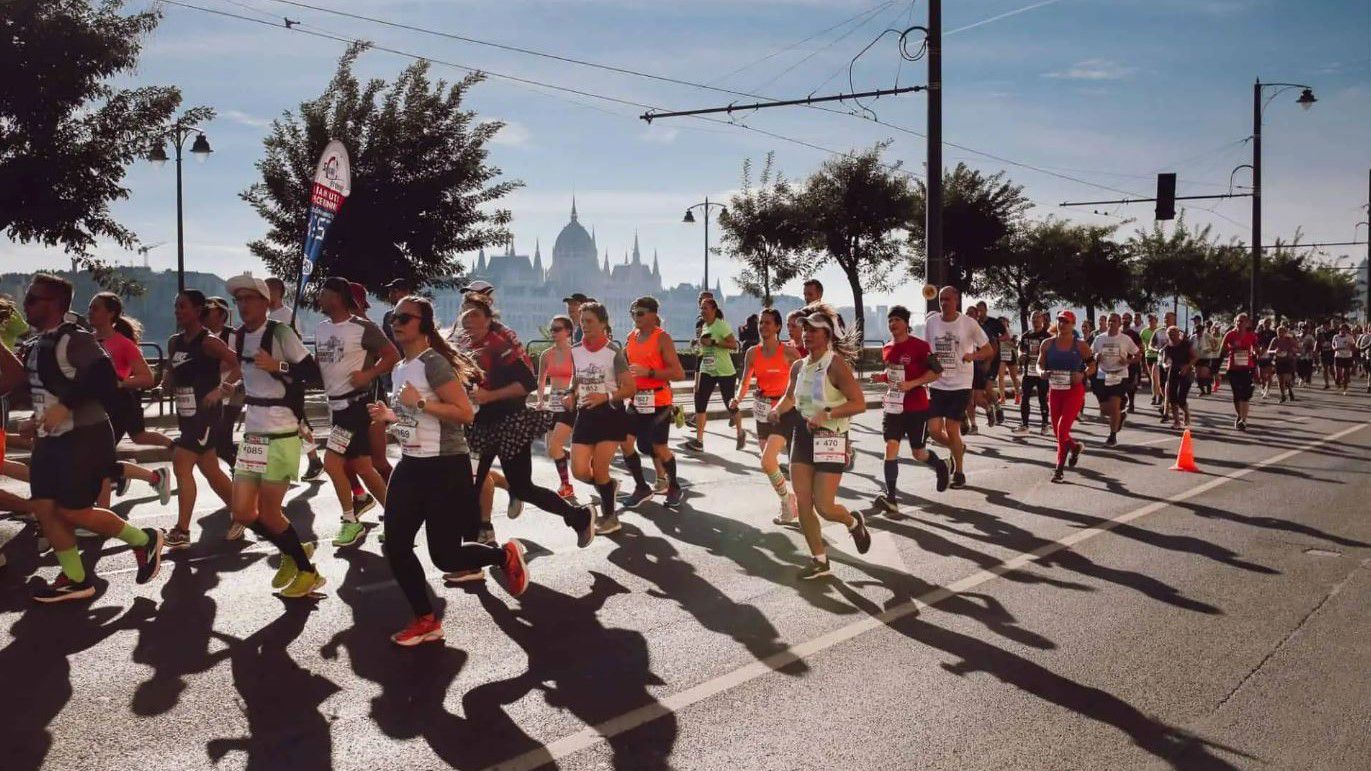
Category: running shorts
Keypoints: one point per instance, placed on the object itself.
(802, 449)
(948, 404)
(767, 429)
(126, 418)
(1105, 393)
(650, 428)
(605, 423)
(1285, 366)
(351, 433)
(567, 418)
(1326, 358)
(199, 431)
(70, 469)
(268, 458)
(1135, 373)
(1240, 382)
(980, 376)
(912, 426)
(1177, 389)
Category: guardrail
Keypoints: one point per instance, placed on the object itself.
(155, 394)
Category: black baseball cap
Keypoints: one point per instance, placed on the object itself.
(576, 297)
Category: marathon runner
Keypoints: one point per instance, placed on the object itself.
(1364, 350)
(1009, 364)
(600, 385)
(1150, 350)
(1114, 353)
(1033, 382)
(1239, 345)
(826, 394)
(1160, 367)
(1128, 324)
(909, 366)
(199, 363)
(1266, 365)
(653, 362)
(716, 343)
(997, 332)
(1344, 346)
(555, 370)
(1064, 359)
(432, 485)
(225, 446)
(980, 380)
(770, 361)
(352, 353)
(1324, 336)
(1309, 347)
(1179, 355)
(1285, 349)
(73, 386)
(278, 312)
(958, 343)
(276, 368)
(1208, 345)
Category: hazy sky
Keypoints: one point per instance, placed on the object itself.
(1107, 91)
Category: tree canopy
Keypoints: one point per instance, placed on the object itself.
(979, 211)
(762, 232)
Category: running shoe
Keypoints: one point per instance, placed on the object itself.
(285, 574)
(584, 525)
(349, 533)
(43, 545)
(121, 487)
(1018, 398)
(659, 485)
(464, 576)
(860, 535)
(1045, 431)
(1282, 397)
(306, 583)
(62, 589)
(1237, 423)
(361, 505)
(971, 431)
(513, 575)
(942, 472)
(1111, 440)
(1057, 474)
(149, 555)
(999, 417)
(673, 497)
(607, 525)
(694, 445)
(1242, 425)
(636, 497)
(515, 508)
(1074, 454)
(885, 505)
(1022, 428)
(566, 492)
(1176, 424)
(789, 511)
(177, 539)
(958, 480)
(162, 485)
(314, 469)
(742, 440)
(678, 416)
(425, 628)
(235, 530)
(485, 534)
(816, 568)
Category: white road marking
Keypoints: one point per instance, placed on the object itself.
(593, 735)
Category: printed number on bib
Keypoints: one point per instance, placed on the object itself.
(830, 447)
(645, 401)
(185, 401)
(1060, 379)
(339, 439)
(1114, 378)
(1006, 352)
(1343, 354)
(555, 403)
(252, 455)
(707, 362)
(761, 408)
(1240, 359)
(946, 355)
(406, 429)
(894, 401)
(41, 401)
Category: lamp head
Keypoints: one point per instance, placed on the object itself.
(200, 148)
(158, 154)
(722, 211)
(689, 217)
(1307, 99)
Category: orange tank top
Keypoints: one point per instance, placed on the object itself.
(772, 372)
(648, 353)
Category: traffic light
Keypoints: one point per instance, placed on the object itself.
(1166, 196)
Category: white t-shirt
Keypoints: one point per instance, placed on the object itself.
(422, 435)
(1342, 346)
(951, 340)
(597, 372)
(281, 314)
(344, 348)
(285, 347)
(1112, 352)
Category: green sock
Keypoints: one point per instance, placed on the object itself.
(70, 560)
(133, 536)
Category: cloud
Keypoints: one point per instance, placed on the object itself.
(514, 134)
(1093, 69)
(245, 119)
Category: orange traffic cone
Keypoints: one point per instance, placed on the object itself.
(1185, 459)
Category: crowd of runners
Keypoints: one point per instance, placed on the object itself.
(457, 396)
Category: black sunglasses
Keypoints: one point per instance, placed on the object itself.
(636, 312)
(400, 319)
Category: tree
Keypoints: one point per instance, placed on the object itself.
(1096, 272)
(854, 209)
(66, 133)
(761, 231)
(1294, 287)
(978, 212)
(1189, 264)
(1022, 274)
(421, 186)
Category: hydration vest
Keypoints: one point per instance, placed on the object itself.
(304, 373)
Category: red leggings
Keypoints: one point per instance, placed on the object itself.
(1064, 405)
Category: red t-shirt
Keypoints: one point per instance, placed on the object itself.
(1240, 347)
(912, 356)
(124, 352)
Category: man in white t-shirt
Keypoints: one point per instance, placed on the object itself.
(278, 312)
(1116, 353)
(958, 342)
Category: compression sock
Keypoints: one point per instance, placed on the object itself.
(562, 470)
(635, 467)
(72, 567)
(892, 475)
(133, 536)
(778, 483)
(670, 466)
(286, 541)
(932, 460)
(606, 492)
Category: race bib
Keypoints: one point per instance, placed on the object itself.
(252, 455)
(894, 401)
(894, 374)
(41, 400)
(947, 354)
(1342, 354)
(830, 447)
(406, 430)
(1114, 378)
(645, 402)
(1006, 351)
(589, 389)
(185, 401)
(555, 403)
(339, 439)
(761, 408)
(1059, 379)
(1241, 359)
(707, 362)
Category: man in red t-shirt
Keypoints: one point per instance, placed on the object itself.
(1239, 345)
(909, 366)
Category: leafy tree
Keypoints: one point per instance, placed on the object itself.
(66, 133)
(421, 186)
(1026, 265)
(854, 209)
(1189, 264)
(1294, 287)
(762, 231)
(979, 211)
(1096, 272)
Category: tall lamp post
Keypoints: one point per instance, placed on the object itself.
(1305, 101)
(178, 132)
(690, 219)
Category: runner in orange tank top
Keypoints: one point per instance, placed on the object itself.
(653, 363)
(770, 361)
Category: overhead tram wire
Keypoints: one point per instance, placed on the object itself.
(874, 9)
(815, 53)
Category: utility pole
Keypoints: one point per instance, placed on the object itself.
(1256, 200)
(935, 268)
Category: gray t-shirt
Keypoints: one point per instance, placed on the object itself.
(423, 435)
(76, 351)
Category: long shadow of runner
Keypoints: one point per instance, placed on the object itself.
(279, 698)
(35, 671)
(1165, 742)
(593, 672)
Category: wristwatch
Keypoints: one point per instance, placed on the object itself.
(283, 367)
(421, 404)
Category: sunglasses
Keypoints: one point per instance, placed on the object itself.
(561, 329)
(636, 312)
(30, 299)
(400, 319)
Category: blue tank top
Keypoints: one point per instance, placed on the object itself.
(1058, 360)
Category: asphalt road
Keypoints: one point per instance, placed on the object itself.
(1135, 617)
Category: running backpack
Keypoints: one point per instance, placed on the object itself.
(304, 373)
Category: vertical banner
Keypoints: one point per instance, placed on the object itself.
(332, 184)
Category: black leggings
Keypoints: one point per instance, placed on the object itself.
(1031, 384)
(518, 470)
(437, 492)
(705, 388)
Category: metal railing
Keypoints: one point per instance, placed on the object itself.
(155, 393)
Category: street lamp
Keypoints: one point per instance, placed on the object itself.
(689, 219)
(1305, 101)
(178, 132)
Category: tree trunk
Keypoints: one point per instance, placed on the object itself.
(1023, 312)
(766, 283)
(858, 308)
(1090, 313)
